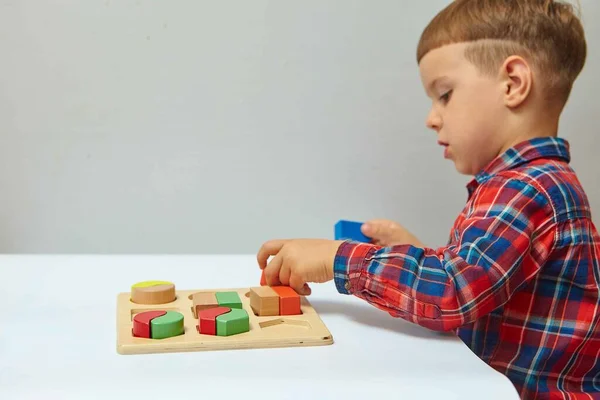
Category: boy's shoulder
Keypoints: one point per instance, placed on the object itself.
(555, 181)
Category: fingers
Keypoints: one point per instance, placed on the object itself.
(279, 270)
(267, 250)
(372, 229)
(298, 284)
(284, 273)
(272, 271)
(380, 230)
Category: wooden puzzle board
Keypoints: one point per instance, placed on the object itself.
(306, 329)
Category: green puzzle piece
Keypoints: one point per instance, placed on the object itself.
(168, 325)
(229, 299)
(234, 322)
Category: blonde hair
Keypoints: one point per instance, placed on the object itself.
(547, 33)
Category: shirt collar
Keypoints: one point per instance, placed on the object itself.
(522, 153)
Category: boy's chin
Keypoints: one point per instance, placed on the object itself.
(464, 169)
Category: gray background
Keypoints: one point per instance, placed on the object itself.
(194, 126)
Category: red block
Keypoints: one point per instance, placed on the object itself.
(289, 300)
(141, 323)
(207, 324)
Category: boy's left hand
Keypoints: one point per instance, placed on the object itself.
(297, 262)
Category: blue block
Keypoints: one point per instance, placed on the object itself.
(345, 230)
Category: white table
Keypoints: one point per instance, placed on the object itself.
(58, 341)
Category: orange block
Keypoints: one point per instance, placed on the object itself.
(263, 280)
(289, 300)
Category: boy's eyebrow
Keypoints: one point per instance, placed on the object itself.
(435, 81)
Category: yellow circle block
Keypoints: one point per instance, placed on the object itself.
(150, 283)
(153, 292)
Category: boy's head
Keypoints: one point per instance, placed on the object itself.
(498, 72)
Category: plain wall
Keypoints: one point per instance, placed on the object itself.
(197, 126)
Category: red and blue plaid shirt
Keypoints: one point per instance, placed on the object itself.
(518, 281)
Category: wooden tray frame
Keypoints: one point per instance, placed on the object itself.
(306, 329)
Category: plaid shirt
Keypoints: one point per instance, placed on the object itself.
(518, 281)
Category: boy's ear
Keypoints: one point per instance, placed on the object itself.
(517, 79)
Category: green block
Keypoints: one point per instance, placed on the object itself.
(168, 325)
(234, 322)
(229, 299)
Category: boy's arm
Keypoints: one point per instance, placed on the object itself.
(501, 245)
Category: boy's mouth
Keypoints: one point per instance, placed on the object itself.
(445, 145)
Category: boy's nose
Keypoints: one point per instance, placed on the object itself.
(433, 121)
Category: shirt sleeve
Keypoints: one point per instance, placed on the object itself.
(498, 247)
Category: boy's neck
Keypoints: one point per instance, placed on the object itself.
(522, 129)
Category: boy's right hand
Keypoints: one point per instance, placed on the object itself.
(386, 233)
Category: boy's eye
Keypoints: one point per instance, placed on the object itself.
(446, 96)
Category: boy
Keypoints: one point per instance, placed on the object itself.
(519, 278)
